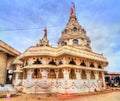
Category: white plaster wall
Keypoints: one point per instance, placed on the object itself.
(65, 85)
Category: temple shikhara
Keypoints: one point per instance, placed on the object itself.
(72, 67)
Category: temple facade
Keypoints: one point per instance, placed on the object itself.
(72, 67)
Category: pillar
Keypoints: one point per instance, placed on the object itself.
(66, 74)
(80, 71)
(3, 67)
(56, 72)
(96, 75)
(29, 74)
(103, 76)
(44, 73)
(16, 76)
(88, 74)
(78, 76)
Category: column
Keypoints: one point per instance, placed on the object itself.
(56, 72)
(66, 80)
(96, 75)
(66, 74)
(78, 76)
(16, 78)
(88, 74)
(44, 73)
(103, 76)
(80, 71)
(29, 74)
(97, 79)
(3, 67)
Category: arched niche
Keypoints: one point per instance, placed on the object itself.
(65, 31)
(92, 65)
(83, 63)
(72, 74)
(20, 76)
(74, 29)
(92, 75)
(36, 74)
(99, 66)
(51, 74)
(83, 75)
(75, 41)
(52, 62)
(60, 63)
(63, 43)
(37, 61)
(100, 76)
(60, 74)
(72, 62)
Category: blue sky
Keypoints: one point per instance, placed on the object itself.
(22, 23)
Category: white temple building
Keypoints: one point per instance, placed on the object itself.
(72, 67)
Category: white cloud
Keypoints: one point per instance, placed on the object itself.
(105, 40)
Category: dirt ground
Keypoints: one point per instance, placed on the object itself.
(111, 96)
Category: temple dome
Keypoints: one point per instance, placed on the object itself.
(74, 34)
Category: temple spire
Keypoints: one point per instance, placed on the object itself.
(72, 9)
(45, 33)
(44, 41)
(73, 34)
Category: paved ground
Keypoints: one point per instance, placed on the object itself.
(111, 96)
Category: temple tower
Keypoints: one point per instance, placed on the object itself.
(74, 34)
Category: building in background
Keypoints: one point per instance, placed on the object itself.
(112, 79)
(72, 67)
(7, 55)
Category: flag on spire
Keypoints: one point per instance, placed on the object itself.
(72, 10)
(73, 4)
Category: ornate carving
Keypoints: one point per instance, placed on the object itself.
(44, 41)
(52, 74)
(74, 31)
(72, 74)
